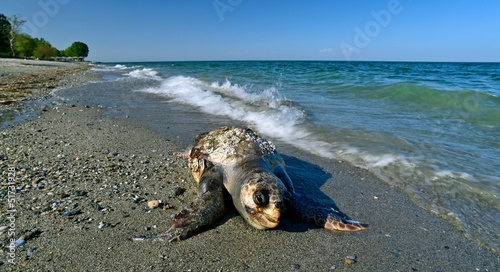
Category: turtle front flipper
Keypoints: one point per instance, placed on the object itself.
(201, 213)
(326, 217)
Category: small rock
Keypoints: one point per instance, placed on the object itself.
(47, 209)
(3, 228)
(350, 259)
(179, 191)
(103, 225)
(31, 250)
(96, 207)
(138, 199)
(19, 242)
(153, 204)
(71, 213)
(79, 193)
(63, 195)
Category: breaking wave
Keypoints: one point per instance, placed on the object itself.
(145, 73)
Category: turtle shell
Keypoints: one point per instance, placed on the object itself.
(229, 145)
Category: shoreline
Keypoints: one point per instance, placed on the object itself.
(83, 182)
(26, 81)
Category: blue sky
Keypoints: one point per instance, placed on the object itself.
(164, 30)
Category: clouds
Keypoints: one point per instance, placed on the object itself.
(326, 50)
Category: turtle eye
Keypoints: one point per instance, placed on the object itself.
(261, 198)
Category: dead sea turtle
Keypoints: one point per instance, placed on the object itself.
(253, 172)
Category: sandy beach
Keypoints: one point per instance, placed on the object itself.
(31, 80)
(81, 183)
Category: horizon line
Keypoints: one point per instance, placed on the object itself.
(305, 60)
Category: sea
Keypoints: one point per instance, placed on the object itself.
(429, 129)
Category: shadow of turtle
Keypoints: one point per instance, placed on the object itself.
(307, 180)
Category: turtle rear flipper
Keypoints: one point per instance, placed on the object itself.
(322, 216)
(201, 213)
(184, 153)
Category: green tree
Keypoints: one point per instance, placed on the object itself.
(41, 41)
(4, 35)
(15, 24)
(25, 45)
(77, 49)
(45, 52)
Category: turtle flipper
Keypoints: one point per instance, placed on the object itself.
(201, 213)
(322, 216)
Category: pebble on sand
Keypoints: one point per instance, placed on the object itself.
(154, 204)
(179, 191)
(103, 225)
(350, 259)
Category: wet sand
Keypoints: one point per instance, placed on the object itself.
(82, 183)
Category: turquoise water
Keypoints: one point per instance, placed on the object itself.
(431, 129)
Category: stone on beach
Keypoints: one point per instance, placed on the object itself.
(154, 204)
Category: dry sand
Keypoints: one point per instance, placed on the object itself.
(20, 67)
(24, 80)
(82, 182)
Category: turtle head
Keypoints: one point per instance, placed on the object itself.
(262, 200)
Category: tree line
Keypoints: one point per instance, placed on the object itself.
(14, 43)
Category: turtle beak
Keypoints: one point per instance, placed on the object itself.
(268, 217)
(273, 219)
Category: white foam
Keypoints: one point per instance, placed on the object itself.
(120, 67)
(382, 160)
(145, 73)
(107, 68)
(264, 110)
(439, 174)
(270, 96)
